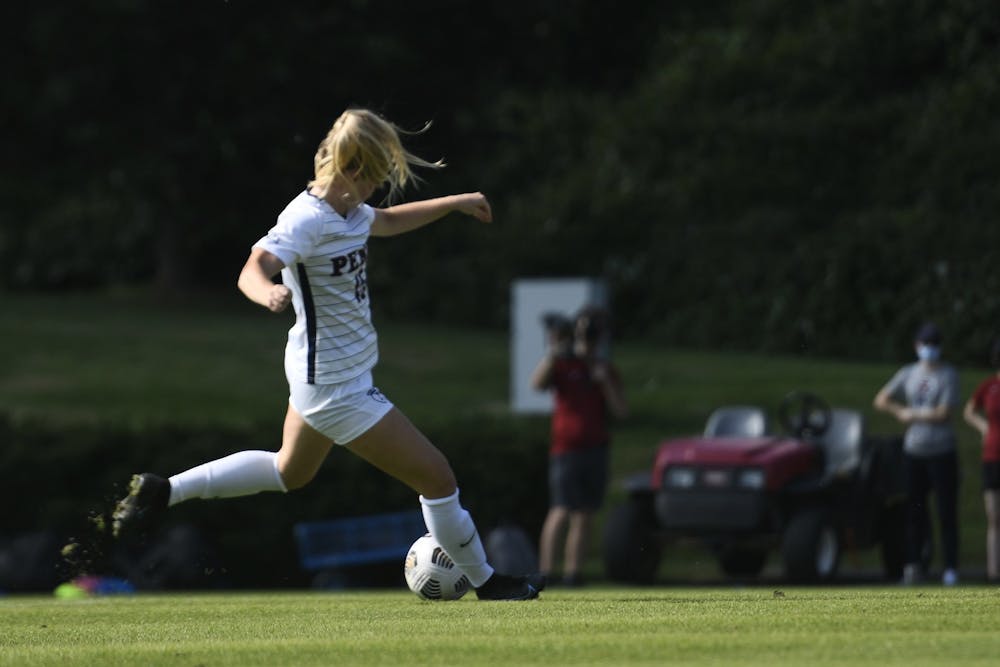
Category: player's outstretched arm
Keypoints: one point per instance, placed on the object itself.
(413, 215)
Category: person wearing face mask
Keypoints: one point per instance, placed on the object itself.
(923, 396)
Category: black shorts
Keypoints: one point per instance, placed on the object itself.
(991, 475)
(577, 480)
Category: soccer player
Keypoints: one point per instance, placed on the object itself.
(319, 246)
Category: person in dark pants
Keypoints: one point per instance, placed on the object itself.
(588, 390)
(923, 396)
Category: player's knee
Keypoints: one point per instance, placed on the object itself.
(440, 483)
(295, 478)
(438, 489)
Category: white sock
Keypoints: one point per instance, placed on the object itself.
(240, 474)
(454, 530)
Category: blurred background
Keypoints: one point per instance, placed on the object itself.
(775, 193)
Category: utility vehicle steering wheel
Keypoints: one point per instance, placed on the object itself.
(804, 415)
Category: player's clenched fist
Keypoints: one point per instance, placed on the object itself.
(279, 298)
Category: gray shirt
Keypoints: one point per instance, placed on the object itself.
(921, 386)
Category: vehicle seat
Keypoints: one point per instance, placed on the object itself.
(737, 421)
(842, 442)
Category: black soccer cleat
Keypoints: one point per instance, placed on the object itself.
(511, 587)
(148, 496)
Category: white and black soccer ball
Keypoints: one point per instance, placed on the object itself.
(431, 573)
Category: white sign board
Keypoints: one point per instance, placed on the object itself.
(530, 300)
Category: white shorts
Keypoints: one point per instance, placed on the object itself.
(342, 411)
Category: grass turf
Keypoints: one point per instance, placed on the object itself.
(758, 626)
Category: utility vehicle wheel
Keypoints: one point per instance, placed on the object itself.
(631, 546)
(811, 547)
(742, 561)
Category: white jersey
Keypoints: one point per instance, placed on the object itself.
(325, 255)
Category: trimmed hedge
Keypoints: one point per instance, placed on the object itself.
(56, 477)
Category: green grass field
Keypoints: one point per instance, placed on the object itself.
(121, 358)
(855, 626)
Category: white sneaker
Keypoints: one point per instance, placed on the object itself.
(911, 574)
(949, 578)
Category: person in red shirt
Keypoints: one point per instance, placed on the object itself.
(588, 390)
(982, 412)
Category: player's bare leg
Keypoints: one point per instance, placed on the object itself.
(244, 473)
(303, 450)
(395, 446)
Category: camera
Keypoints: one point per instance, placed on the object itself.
(558, 333)
(557, 323)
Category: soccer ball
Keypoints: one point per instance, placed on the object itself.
(431, 573)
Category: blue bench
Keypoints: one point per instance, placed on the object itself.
(376, 538)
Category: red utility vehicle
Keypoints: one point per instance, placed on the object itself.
(819, 488)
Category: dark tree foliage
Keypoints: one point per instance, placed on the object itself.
(811, 177)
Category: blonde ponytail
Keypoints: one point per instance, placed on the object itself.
(361, 141)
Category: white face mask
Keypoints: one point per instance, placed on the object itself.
(927, 352)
